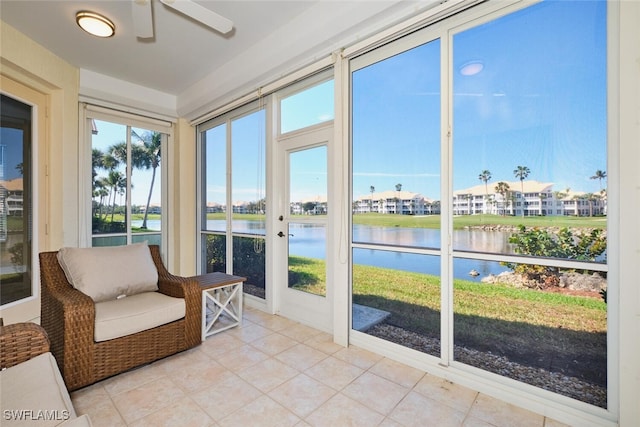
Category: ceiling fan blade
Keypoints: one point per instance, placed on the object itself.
(142, 18)
(201, 14)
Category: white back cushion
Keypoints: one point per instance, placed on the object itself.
(106, 273)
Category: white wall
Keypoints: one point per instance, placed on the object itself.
(29, 64)
(628, 174)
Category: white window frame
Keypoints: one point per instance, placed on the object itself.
(89, 112)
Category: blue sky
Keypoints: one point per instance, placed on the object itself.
(110, 134)
(539, 101)
(12, 141)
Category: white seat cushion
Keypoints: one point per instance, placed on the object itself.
(34, 393)
(135, 313)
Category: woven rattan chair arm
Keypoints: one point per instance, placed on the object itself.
(20, 342)
(71, 315)
(177, 286)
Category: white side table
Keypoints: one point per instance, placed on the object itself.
(221, 302)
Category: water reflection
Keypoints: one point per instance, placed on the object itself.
(307, 240)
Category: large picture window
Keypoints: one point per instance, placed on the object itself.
(233, 208)
(16, 200)
(512, 233)
(127, 175)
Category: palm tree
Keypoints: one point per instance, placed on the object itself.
(485, 176)
(397, 199)
(522, 172)
(148, 157)
(542, 197)
(592, 197)
(97, 161)
(100, 190)
(372, 190)
(599, 175)
(115, 181)
(119, 153)
(502, 188)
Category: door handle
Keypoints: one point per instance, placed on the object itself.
(281, 234)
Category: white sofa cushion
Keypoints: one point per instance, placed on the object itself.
(34, 393)
(105, 273)
(126, 316)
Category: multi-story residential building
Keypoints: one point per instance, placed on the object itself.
(527, 198)
(396, 202)
(12, 192)
(314, 206)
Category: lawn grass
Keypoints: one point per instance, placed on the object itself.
(308, 275)
(532, 327)
(390, 290)
(459, 222)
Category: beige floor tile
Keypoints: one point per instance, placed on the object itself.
(500, 413)
(181, 413)
(179, 361)
(301, 357)
(446, 392)
(388, 422)
(475, 422)
(340, 410)
(277, 323)
(300, 332)
(227, 395)
(549, 422)
(253, 315)
(264, 412)
(88, 396)
(268, 374)
(356, 356)
(302, 394)
(220, 344)
(198, 375)
(397, 372)
(334, 372)
(274, 343)
(375, 392)
(249, 332)
(104, 414)
(323, 342)
(417, 410)
(131, 380)
(95, 401)
(146, 399)
(277, 380)
(241, 358)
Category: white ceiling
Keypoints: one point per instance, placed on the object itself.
(268, 37)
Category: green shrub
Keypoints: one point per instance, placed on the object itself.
(564, 245)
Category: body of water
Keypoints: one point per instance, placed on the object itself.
(309, 241)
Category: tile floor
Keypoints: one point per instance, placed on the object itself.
(275, 372)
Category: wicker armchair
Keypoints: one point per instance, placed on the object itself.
(68, 316)
(20, 342)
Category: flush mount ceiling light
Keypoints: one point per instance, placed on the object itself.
(95, 24)
(471, 68)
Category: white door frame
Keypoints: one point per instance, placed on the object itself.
(309, 309)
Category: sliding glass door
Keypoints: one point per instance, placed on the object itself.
(396, 192)
(479, 196)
